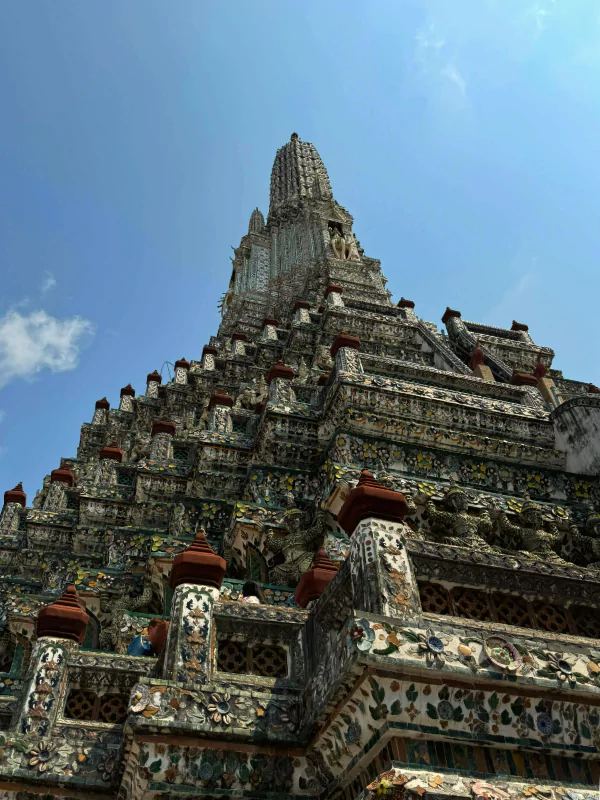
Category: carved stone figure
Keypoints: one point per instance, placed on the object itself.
(296, 547)
(456, 525)
(529, 535)
(117, 607)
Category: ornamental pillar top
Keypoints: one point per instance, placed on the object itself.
(344, 340)
(111, 451)
(280, 370)
(16, 495)
(62, 475)
(220, 398)
(314, 581)
(66, 618)
(370, 499)
(199, 564)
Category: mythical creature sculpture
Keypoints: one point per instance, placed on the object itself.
(109, 635)
(461, 528)
(338, 243)
(296, 547)
(251, 394)
(529, 535)
(583, 547)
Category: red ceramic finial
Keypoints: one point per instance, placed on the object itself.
(182, 363)
(370, 499)
(220, 398)
(540, 369)
(314, 581)
(344, 340)
(16, 495)
(477, 357)
(199, 564)
(128, 391)
(103, 404)
(111, 451)
(163, 426)
(154, 377)
(65, 618)
(63, 475)
(280, 370)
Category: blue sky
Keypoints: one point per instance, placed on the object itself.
(136, 138)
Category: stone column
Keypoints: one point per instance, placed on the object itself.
(269, 330)
(153, 381)
(60, 479)
(101, 412)
(382, 578)
(196, 577)
(60, 628)
(238, 347)
(127, 397)
(14, 500)
(106, 474)
(219, 412)
(300, 312)
(279, 380)
(345, 352)
(408, 308)
(161, 447)
(333, 296)
(181, 371)
(208, 356)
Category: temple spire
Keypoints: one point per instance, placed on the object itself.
(298, 176)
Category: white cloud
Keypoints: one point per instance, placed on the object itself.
(48, 283)
(36, 341)
(450, 72)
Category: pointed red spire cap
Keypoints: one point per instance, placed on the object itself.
(199, 564)
(209, 350)
(239, 337)
(16, 495)
(449, 313)
(63, 475)
(523, 379)
(314, 581)
(333, 288)
(104, 404)
(344, 340)
(128, 391)
(65, 618)
(370, 499)
(519, 326)
(477, 357)
(163, 426)
(404, 303)
(270, 321)
(280, 370)
(182, 363)
(540, 369)
(153, 377)
(111, 451)
(220, 398)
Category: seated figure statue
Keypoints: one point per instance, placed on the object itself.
(460, 527)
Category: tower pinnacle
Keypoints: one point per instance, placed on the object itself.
(298, 176)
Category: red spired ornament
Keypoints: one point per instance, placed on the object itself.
(199, 564)
(66, 618)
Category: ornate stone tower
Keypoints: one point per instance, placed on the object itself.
(342, 554)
